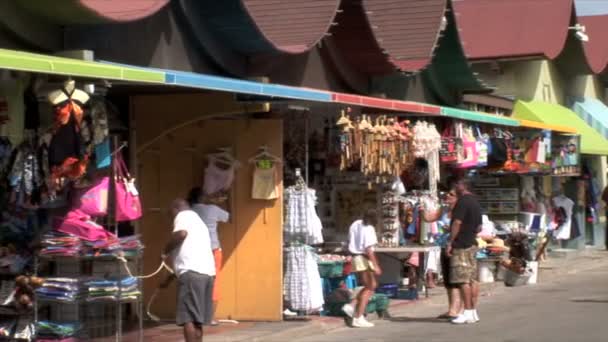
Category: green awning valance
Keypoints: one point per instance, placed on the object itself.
(478, 117)
(38, 63)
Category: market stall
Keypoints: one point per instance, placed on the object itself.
(66, 202)
(394, 164)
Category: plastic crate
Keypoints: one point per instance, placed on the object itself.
(331, 269)
(377, 303)
(391, 290)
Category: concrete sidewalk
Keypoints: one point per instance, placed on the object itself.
(549, 271)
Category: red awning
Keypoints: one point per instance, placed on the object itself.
(292, 26)
(406, 30)
(93, 11)
(491, 29)
(596, 49)
(378, 37)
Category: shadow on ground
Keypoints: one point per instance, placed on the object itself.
(419, 319)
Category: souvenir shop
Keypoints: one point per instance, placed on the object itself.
(399, 165)
(350, 162)
(67, 204)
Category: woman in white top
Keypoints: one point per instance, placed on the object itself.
(211, 214)
(362, 240)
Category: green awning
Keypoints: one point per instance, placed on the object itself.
(592, 142)
(478, 117)
(32, 62)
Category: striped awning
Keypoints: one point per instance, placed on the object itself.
(594, 112)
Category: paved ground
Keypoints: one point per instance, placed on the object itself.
(570, 305)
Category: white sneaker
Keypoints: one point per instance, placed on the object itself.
(348, 310)
(475, 316)
(289, 313)
(361, 322)
(465, 318)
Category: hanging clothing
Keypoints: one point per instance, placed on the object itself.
(65, 143)
(217, 179)
(265, 183)
(302, 285)
(301, 221)
(564, 230)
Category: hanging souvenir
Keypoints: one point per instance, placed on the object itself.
(469, 144)
(497, 149)
(70, 145)
(451, 146)
(482, 141)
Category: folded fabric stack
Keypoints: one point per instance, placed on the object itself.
(60, 244)
(53, 331)
(61, 289)
(106, 247)
(129, 288)
(131, 245)
(100, 290)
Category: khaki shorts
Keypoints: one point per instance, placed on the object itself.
(463, 265)
(361, 264)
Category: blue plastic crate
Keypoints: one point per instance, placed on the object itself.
(391, 290)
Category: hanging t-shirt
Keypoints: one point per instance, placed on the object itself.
(361, 237)
(195, 253)
(564, 231)
(212, 214)
(265, 185)
(217, 179)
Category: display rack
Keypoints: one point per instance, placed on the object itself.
(97, 318)
(498, 201)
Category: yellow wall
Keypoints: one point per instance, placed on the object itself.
(524, 79)
(170, 164)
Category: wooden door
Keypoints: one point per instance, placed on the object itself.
(172, 160)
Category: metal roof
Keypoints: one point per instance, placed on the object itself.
(253, 27)
(379, 37)
(491, 29)
(93, 11)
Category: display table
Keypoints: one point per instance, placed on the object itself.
(403, 252)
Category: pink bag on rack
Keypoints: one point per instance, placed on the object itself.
(128, 205)
(94, 201)
(79, 224)
(469, 146)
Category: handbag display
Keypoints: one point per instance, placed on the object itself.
(451, 146)
(482, 148)
(103, 157)
(469, 146)
(497, 151)
(94, 201)
(128, 205)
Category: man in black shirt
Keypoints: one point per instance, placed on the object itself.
(462, 248)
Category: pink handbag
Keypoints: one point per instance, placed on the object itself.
(94, 201)
(469, 146)
(128, 205)
(79, 224)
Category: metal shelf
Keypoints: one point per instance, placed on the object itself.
(92, 324)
